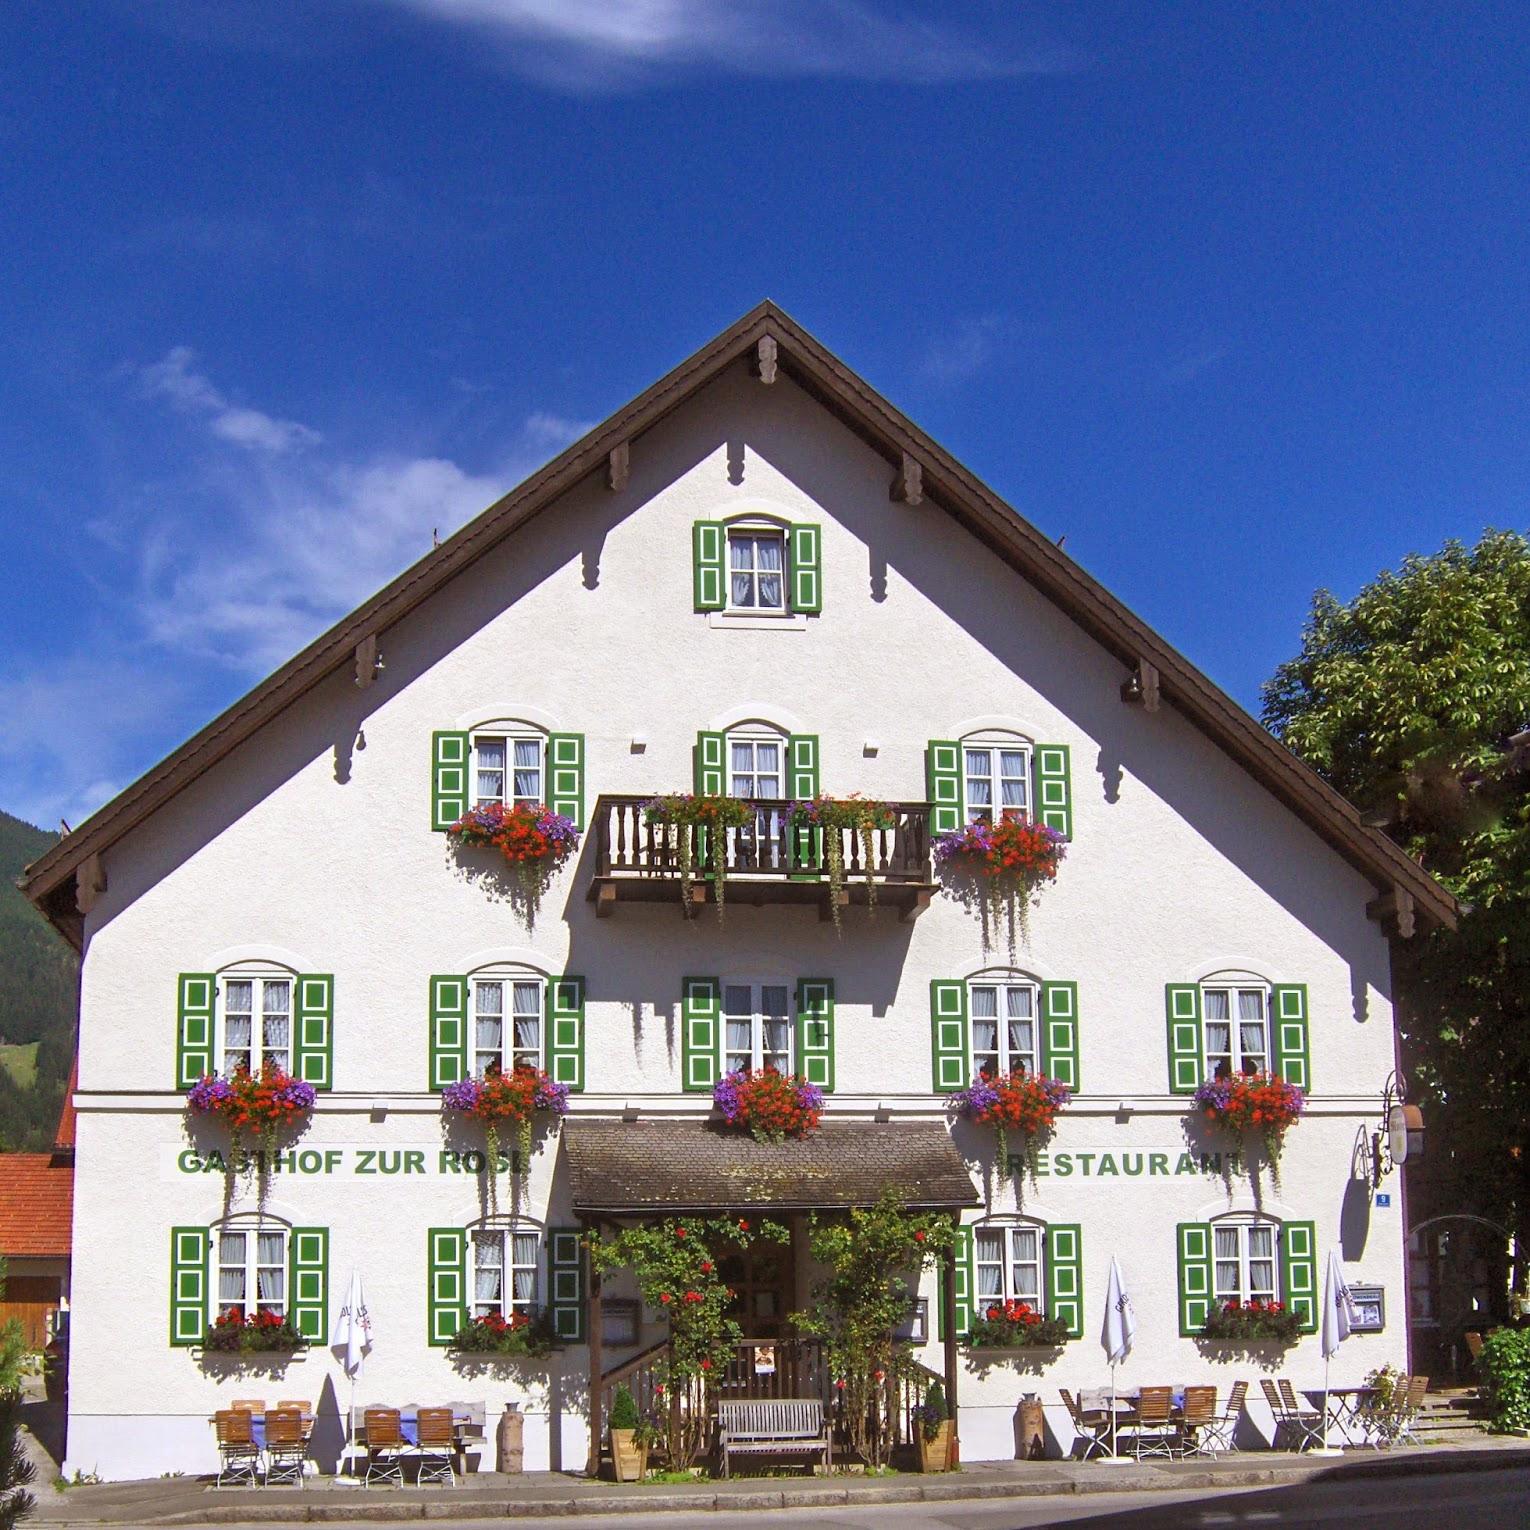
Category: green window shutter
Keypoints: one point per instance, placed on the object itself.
(565, 1279)
(943, 785)
(314, 1030)
(807, 568)
(802, 783)
(708, 548)
(1065, 1276)
(565, 775)
(565, 1032)
(700, 1018)
(1298, 1272)
(1293, 1058)
(1194, 1239)
(449, 779)
(446, 1284)
(1054, 788)
(190, 1251)
(1182, 1007)
(1059, 1032)
(195, 994)
(948, 1035)
(448, 1031)
(308, 1282)
(815, 1032)
(711, 769)
(963, 1288)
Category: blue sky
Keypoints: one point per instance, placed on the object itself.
(1233, 297)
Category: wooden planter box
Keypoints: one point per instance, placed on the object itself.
(935, 1455)
(629, 1460)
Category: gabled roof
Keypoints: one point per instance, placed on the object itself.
(947, 487)
(36, 1205)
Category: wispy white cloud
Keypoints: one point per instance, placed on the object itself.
(176, 378)
(966, 349)
(596, 43)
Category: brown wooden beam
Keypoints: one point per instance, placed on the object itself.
(1141, 688)
(619, 466)
(605, 900)
(948, 1304)
(89, 883)
(1396, 908)
(908, 483)
(910, 912)
(827, 902)
(366, 661)
(765, 354)
(593, 1335)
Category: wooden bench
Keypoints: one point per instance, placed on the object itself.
(776, 1427)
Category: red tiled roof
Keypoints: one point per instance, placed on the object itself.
(63, 1138)
(36, 1204)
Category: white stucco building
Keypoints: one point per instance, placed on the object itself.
(758, 577)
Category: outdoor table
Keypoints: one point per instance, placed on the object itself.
(1346, 1407)
(1097, 1399)
(408, 1424)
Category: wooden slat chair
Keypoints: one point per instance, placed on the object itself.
(1091, 1426)
(286, 1446)
(238, 1454)
(248, 1405)
(1196, 1435)
(779, 1426)
(1305, 1423)
(1412, 1403)
(437, 1447)
(385, 1447)
(305, 1409)
(1221, 1434)
(1154, 1430)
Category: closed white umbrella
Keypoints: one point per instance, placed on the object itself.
(352, 1334)
(1120, 1330)
(1338, 1320)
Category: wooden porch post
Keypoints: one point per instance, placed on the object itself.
(592, 1335)
(948, 1302)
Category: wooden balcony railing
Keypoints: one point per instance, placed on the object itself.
(771, 860)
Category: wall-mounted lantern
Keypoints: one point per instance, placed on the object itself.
(1400, 1137)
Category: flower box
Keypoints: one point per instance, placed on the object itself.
(533, 839)
(1255, 1322)
(1016, 1325)
(772, 1106)
(1026, 1103)
(271, 1104)
(262, 1332)
(517, 1336)
(1250, 1104)
(498, 1099)
(832, 815)
(690, 814)
(1008, 862)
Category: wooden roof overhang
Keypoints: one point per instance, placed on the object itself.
(65, 881)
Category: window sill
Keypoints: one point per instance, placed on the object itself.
(785, 621)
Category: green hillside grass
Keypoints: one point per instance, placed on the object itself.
(21, 1063)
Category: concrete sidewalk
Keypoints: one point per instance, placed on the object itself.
(191, 1501)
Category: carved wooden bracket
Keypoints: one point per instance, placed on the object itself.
(89, 883)
(366, 661)
(765, 359)
(618, 465)
(908, 483)
(1141, 690)
(1396, 906)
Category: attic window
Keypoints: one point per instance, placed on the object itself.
(756, 569)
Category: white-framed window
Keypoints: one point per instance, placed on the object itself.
(1007, 1264)
(507, 1271)
(996, 777)
(1245, 1259)
(1003, 1018)
(257, 1020)
(1236, 1017)
(251, 1268)
(509, 768)
(757, 772)
(757, 1026)
(756, 568)
(508, 1027)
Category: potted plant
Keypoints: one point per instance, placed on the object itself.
(1252, 1104)
(932, 1418)
(532, 838)
(772, 1106)
(1008, 862)
(261, 1332)
(629, 1454)
(520, 1334)
(1027, 1103)
(830, 815)
(1016, 1325)
(272, 1104)
(1252, 1322)
(703, 819)
(514, 1098)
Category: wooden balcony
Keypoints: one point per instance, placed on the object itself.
(769, 861)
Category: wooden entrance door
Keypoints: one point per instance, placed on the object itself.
(760, 1278)
(34, 1300)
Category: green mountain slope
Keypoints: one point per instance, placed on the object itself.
(37, 996)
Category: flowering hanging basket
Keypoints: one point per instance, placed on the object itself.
(262, 1332)
(1026, 1103)
(268, 1105)
(533, 839)
(687, 813)
(500, 1099)
(831, 815)
(1251, 1104)
(1015, 1325)
(1255, 1322)
(771, 1106)
(516, 1335)
(1008, 862)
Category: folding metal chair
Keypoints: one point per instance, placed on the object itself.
(1221, 1434)
(437, 1445)
(238, 1454)
(1092, 1427)
(1196, 1434)
(286, 1446)
(1155, 1422)
(385, 1447)
(1305, 1423)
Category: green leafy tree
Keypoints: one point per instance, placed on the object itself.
(16, 1471)
(1408, 699)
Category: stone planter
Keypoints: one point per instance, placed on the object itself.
(935, 1455)
(628, 1458)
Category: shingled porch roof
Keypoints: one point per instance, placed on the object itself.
(646, 1167)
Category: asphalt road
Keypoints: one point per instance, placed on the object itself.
(1491, 1500)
